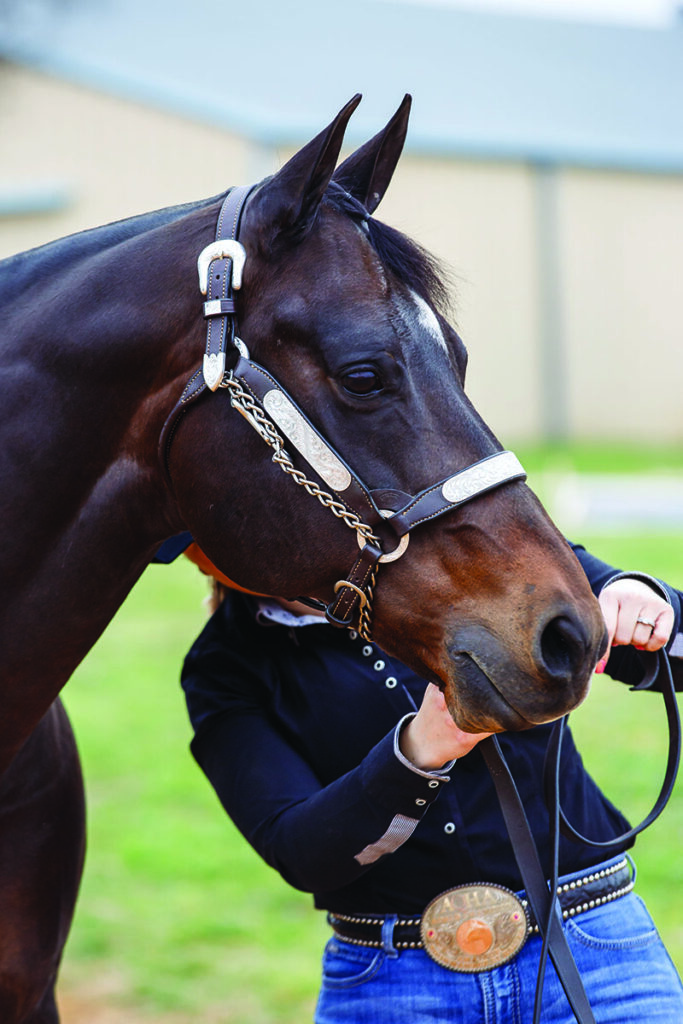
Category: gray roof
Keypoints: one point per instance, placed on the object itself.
(485, 84)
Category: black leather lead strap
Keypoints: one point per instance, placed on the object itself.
(542, 899)
(659, 668)
(538, 894)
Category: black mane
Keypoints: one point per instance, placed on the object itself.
(23, 268)
(403, 257)
(408, 261)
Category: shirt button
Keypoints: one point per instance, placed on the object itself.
(378, 666)
(449, 828)
(420, 802)
(433, 784)
(390, 682)
(367, 650)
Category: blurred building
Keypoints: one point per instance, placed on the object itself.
(544, 165)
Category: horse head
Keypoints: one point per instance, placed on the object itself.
(350, 318)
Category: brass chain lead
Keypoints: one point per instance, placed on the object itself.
(241, 400)
(365, 613)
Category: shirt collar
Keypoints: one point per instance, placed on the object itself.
(271, 612)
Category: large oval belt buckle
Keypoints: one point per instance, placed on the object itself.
(474, 927)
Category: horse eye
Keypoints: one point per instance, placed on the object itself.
(362, 381)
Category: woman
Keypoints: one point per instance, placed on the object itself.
(346, 773)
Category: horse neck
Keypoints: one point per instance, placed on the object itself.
(88, 374)
(119, 329)
(101, 333)
(145, 322)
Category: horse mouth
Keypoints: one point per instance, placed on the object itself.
(477, 704)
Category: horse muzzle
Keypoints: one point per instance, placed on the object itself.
(501, 685)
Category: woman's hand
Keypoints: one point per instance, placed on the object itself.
(432, 739)
(625, 604)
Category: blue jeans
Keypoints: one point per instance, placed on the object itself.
(627, 973)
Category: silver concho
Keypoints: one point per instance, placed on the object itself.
(213, 369)
(306, 441)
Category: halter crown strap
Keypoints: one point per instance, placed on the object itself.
(220, 267)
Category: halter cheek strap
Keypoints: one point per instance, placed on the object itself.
(251, 378)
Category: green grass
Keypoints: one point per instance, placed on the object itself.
(178, 918)
(587, 457)
(623, 737)
(176, 912)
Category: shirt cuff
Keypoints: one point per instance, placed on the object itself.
(644, 577)
(675, 645)
(437, 773)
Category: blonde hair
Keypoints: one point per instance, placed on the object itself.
(216, 595)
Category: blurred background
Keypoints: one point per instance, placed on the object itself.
(544, 166)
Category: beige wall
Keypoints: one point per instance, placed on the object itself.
(115, 158)
(618, 253)
(617, 323)
(478, 219)
(622, 253)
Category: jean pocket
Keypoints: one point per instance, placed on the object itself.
(622, 924)
(346, 965)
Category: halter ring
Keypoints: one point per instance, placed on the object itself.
(390, 556)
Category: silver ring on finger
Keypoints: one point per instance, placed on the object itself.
(646, 622)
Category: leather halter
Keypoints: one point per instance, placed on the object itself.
(270, 410)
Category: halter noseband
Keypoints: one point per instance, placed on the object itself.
(273, 413)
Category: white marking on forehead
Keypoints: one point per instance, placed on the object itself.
(428, 321)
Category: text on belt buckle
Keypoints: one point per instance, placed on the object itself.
(474, 927)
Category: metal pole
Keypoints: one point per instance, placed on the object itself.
(554, 396)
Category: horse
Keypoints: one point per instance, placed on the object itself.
(42, 846)
(116, 437)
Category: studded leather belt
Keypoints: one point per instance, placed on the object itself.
(477, 927)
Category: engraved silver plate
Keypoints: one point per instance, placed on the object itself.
(306, 441)
(212, 308)
(482, 477)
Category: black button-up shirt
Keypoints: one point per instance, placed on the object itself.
(296, 728)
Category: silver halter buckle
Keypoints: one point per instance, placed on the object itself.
(224, 248)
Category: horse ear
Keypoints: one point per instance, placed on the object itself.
(367, 172)
(288, 202)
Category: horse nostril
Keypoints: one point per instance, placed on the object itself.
(563, 646)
